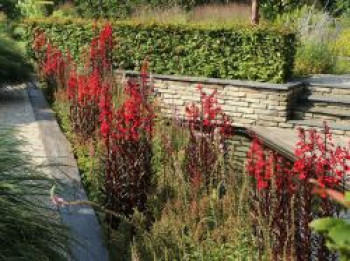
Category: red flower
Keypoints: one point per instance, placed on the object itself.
(105, 129)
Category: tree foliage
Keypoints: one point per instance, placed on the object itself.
(9, 8)
(272, 8)
(122, 8)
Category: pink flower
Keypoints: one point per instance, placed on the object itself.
(58, 201)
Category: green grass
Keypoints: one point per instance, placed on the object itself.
(29, 229)
(342, 66)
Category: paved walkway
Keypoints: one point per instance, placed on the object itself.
(24, 108)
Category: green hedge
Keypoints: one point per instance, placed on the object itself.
(235, 52)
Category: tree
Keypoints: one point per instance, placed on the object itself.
(9, 8)
(255, 12)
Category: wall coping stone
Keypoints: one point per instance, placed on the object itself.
(240, 83)
(343, 99)
(328, 81)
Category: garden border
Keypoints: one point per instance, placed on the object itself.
(87, 241)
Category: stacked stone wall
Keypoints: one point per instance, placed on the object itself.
(247, 103)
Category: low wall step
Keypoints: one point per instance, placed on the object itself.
(334, 99)
(303, 112)
(337, 128)
(328, 84)
(325, 90)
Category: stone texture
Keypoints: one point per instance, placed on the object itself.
(251, 103)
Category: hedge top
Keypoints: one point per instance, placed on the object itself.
(257, 53)
(171, 26)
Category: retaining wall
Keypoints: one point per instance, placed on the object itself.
(248, 103)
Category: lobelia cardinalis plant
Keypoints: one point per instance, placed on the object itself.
(39, 46)
(85, 90)
(209, 129)
(272, 198)
(82, 90)
(282, 194)
(127, 133)
(317, 158)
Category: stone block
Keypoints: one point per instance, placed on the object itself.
(236, 103)
(266, 112)
(270, 102)
(245, 110)
(338, 132)
(249, 90)
(177, 102)
(190, 98)
(234, 115)
(285, 125)
(321, 89)
(257, 96)
(244, 121)
(272, 118)
(239, 94)
(170, 96)
(250, 100)
(267, 123)
(251, 116)
(229, 108)
(277, 108)
(258, 105)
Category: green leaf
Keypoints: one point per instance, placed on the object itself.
(323, 224)
(340, 234)
(347, 196)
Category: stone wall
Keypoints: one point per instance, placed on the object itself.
(247, 103)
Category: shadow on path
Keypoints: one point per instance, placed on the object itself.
(24, 107)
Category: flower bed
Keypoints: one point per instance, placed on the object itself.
(168, 187)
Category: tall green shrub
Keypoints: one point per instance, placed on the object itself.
(103, 8)
(236, 52)
(123, 8)
(13, 65)
(274, 8)
(9, 8)
(33, 8)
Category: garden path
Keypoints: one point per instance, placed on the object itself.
(23, 108)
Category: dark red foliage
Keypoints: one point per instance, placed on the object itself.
(318, 158)
(209, 129)
(100, 51)
(127, 132)
(277, 180)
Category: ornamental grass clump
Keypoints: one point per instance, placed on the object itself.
(29, 228)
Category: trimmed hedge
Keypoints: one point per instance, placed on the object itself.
(235, 52)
